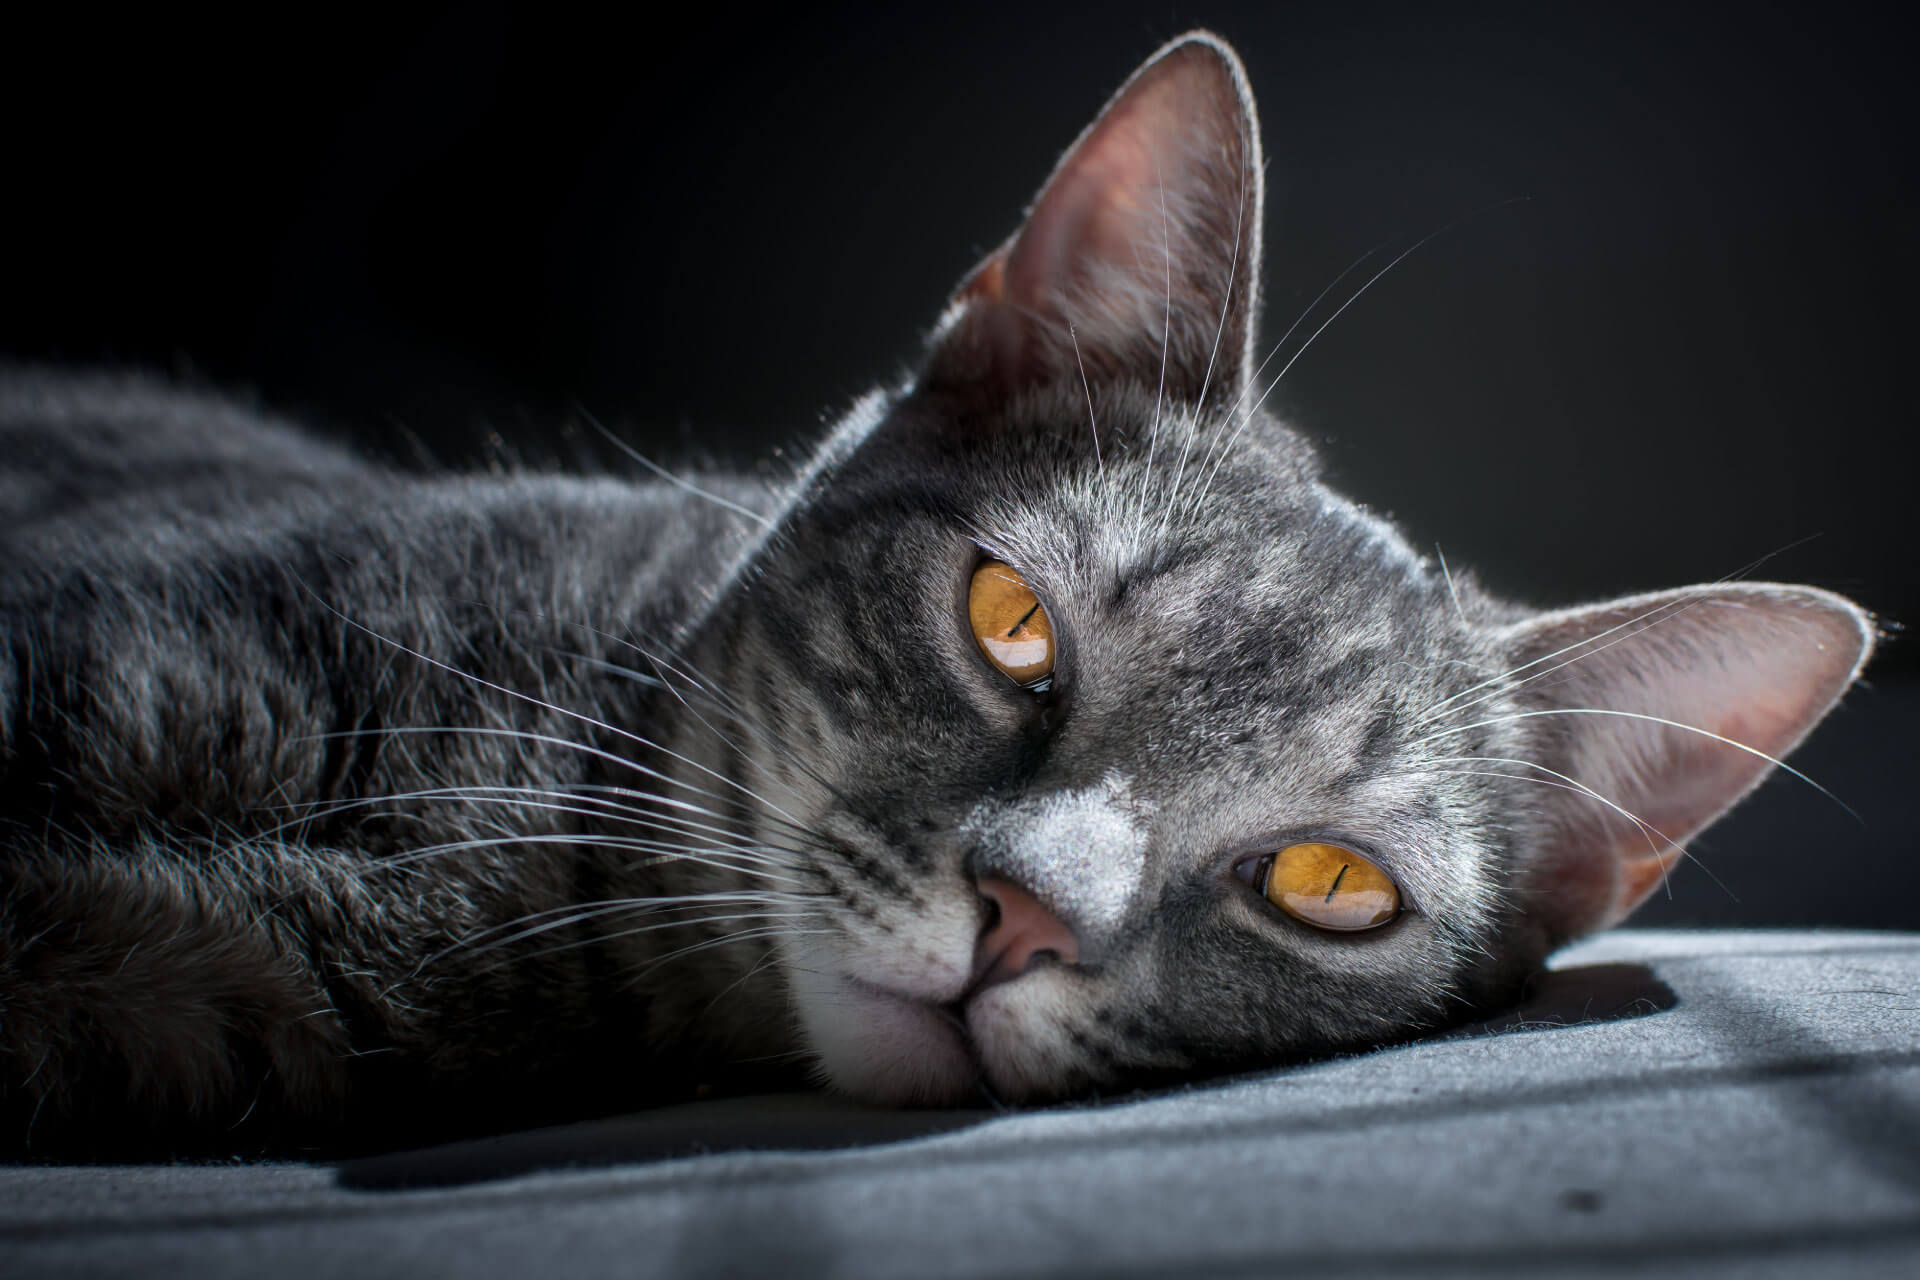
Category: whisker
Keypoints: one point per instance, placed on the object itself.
(727, 849)
(1647, 830)
(1339, 311)
(1448, 575)
(1166, 332)
(678, 481)
(1678, 604)
(654, 902)
(1253, 380)
(704, 684)
(741, 981)
(706, 833)
(1650, 719)
(1219, 329)
(741, 751)
(553, 707)
(713, 838)
(669, 854)
(477, 943)
(1092, 424)
(1247, 417)
(1544, 782)
(486, 731)
(770, 929)
(610, 668)
(744, 935)
(792, 830)
(1652, 617)
(506, 797)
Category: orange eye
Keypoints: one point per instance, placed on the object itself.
(1330, 888)
(1009, 624)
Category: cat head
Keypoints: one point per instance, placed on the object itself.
(1119, 746)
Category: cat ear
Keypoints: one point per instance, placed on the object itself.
(1142, 248)
(1757, 665)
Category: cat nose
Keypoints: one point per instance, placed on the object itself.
(1018, 932)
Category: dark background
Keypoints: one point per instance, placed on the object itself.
(1673, 340)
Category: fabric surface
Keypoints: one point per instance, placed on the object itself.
(1737, 1103)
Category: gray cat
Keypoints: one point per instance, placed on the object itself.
(1055, 731)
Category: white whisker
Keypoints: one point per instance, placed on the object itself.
(484, 731)
(1667, 609)
(1339, 311)
(1650, 719)
(1166, 334)
(739, 750)
(672, 479)
(742, 980)
(1647, 829)
(599, 939)
(744, 935)
(482, 942)
(741, 862)
(1253, 379)
(1684, 852)
(708, 688)
(556, 709)
(1206, 381)
(1448, 575)
(506, 797)
(1092, 423)
(1247, 417)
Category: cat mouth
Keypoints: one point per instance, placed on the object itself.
(938, 1051)
(898, 1049)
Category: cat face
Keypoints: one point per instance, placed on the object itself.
(1230, 677)
(1089, 850)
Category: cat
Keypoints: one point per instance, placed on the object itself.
(1054, 731)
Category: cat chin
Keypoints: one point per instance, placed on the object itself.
(889, 1049)
(882, 1045)
(888, 1036)
(894, 1050)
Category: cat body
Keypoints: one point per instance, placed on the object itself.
(342, 806)
(202, 626)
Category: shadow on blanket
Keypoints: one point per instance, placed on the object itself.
(821, 1122)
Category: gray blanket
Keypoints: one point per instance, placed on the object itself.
(1710, 1103)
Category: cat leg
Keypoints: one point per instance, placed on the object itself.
(149, 1007)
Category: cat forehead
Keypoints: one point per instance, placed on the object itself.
(1191, 532)
(1168, 478)
(1214, 544)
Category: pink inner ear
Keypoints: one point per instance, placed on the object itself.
(1639, 877)
(1140, 257)
(1756, 664)
(1696, 777)
(1094, 211)
(988, 281)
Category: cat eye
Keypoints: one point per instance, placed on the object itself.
(1326, 886)
(1010, 625)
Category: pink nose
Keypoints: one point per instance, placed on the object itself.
(1020, 931)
